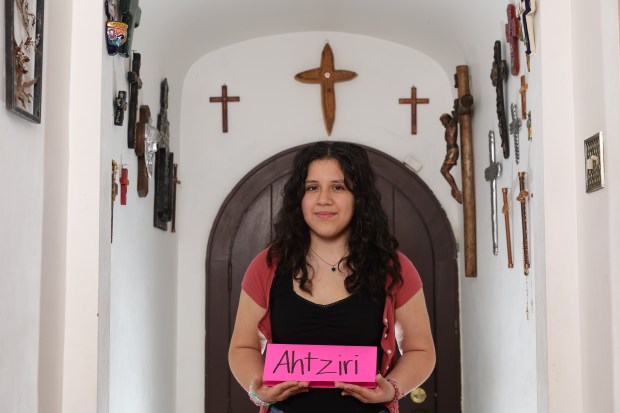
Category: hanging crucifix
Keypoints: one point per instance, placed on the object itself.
(512, 37)
(326, 76)
(413, 101)
(499, 73)
(523, 93)
(224, 99)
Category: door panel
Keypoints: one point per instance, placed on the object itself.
(417, 221)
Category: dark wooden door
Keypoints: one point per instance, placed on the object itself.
(243, 228)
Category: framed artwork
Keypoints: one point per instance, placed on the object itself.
(24, 57)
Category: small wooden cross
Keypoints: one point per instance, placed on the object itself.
(224, 99)
(326, 76)
(135, 84)
(413, 101)
(523, 92)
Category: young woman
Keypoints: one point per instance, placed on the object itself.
(332, 275)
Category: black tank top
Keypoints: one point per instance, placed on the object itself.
(353, 321)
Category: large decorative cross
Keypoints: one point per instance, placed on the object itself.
(326, 76)
(491, 174)
(413, 101)
(135, 84)
(523, 93)
(515, 128)
(499, 73)
(224, 99)
(527, 9)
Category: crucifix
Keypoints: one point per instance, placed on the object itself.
(120, 106)
(499, 73)
(325, 75)
(143, 175)
(522, 198)
(114, 195)
(413, 101)
(135, 84)
(512, 37)
(175, 182)
(163, 178)
(506, 212)
(515, 128)
(131, 13)
(224, 99)
(529, 125)
(523, 93)
(466, 103)
(124, 181)
(491, 174)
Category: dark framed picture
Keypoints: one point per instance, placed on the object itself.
(24, 57)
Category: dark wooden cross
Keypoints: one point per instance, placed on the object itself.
(523, 92)
(120, 106)
(135, 84)
(143, 176)
(499, 73)
(512, 37)
(224, 99)
(130, 13)
(175, 182)
(325, 75)
(163, 179)
(413, 101)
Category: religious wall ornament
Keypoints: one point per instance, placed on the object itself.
(414, 101)
(527, 9)
(116, 30)
(120, 106)
(175, 182)
(515, 129)
(506, 212)
(528, 123)
(124, 181)
(465, 105)
(523, 93)
(130, 15)
(114, 190)
(162, 207)
(512, 37)
(499, 73)
(522, 198)
(224, 99)
(24, 58)
(451, 123)
(492, 173)
(595, 166)
(146, 146)
(326, 76)
(135, 84)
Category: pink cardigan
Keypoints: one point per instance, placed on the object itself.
(257, 284)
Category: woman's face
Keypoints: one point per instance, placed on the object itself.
(327, 204)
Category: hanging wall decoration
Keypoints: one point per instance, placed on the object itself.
(120, 106)
(113, 197)
(492, 173)
(499, 73)
(325, 75)
(135, 84)
(224, 99)
(414, 101)
(124, 181)
(116, 30)
(522, 198)
(130, 15)
(506, 212)
(147, 137)
(175, 182)
(162, 212)
(512, 37)
(527, 9)
(24, 57)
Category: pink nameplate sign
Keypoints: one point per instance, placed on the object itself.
(320, 365)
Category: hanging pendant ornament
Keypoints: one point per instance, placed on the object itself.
(333, 266)
(515, 128)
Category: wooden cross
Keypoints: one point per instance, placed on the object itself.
(512, 37)
(175, 182)
(523, 92)
(413, 101)
(326, 76)
(143, 176)
(135, 84)
(224, 99)
(124, 181)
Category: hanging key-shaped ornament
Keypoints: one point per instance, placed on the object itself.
(515, 128)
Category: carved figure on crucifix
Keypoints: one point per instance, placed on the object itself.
(499, 73)
(450, 122)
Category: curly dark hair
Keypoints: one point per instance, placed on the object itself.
(372, 257)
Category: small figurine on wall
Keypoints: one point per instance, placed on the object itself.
(116, 30)
(120, 106)
(450, 122)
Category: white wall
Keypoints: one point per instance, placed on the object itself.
(276, 112)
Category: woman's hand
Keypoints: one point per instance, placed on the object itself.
(384, 392)
(280, 391)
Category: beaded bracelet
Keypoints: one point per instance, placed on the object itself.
(397, 393)
(256, 400)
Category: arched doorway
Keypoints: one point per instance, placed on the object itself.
(243, 227)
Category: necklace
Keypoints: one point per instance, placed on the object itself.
(333, 266)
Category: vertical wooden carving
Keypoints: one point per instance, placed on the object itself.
(143, 176)
(466, 102)
(163, 165)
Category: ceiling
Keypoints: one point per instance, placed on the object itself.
(440, 29)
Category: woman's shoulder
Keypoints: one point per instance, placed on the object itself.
(411, 283)
(258, 277)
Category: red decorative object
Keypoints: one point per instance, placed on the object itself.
(124, 180)
(512, 37)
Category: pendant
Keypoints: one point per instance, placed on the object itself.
(333, 269)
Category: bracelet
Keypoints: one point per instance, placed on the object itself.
(256, 400)
(397, 393)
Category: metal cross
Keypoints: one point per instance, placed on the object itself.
(491, 174)
(515, 128)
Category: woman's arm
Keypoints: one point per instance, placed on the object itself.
(245, 358)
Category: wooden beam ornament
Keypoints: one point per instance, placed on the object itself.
(466, 102)
(413, 101)
(326, 76)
